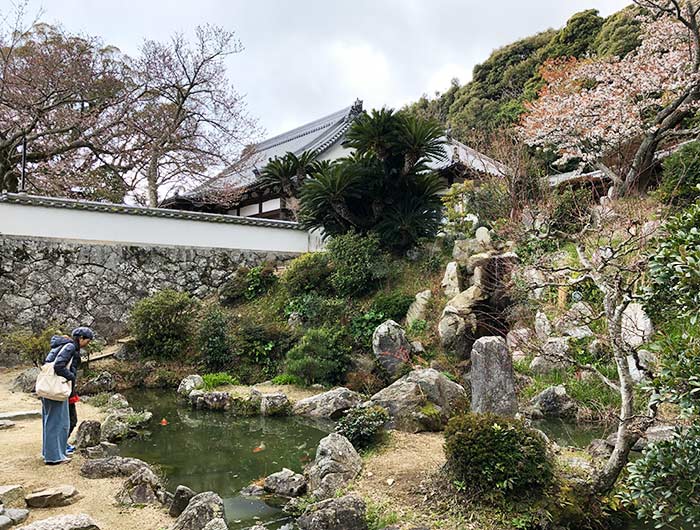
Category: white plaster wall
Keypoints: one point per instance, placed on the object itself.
(73, 224)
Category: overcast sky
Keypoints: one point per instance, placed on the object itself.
(307, 58)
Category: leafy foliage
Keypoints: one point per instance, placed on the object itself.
(362, 425)
(321, 356)
(33, 347)
(247, 284)
(213, 340)
(392, 305)
(385, 187)
(674, 271)
(490, 453)
(161, 323)
(217, 379)
(663, 483)
(571, 210)
(306, 273)
(487, 200)
(681, 176)
(358, 264)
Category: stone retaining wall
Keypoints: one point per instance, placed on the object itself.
(73, 283)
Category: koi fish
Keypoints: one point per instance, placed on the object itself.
(260, 448)
(163, 422)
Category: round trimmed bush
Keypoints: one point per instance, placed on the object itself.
(162, 322)
(308, 272)
(494, 453)
(362, 425)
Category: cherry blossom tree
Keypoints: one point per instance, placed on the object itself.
(615, 114)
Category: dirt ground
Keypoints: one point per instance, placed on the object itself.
(21, 463)
(390, 476)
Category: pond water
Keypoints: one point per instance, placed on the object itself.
(210, 451)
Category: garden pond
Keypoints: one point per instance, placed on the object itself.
(211, 451)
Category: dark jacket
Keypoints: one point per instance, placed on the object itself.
(63, 350)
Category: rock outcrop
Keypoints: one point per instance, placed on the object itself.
(553, 402)
(89, 434)
(201, 510)
(62, 495)
(423, 400)
(336, 464)
(190, 383)
(343, 513)
(26, 381)
(286, 483)
(418, 308)
(329, 405)
(103, 382)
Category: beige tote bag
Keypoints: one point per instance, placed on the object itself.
(52, 386)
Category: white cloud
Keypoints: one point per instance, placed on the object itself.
(441, 78)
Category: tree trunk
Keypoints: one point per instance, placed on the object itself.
(152, 181)
(639, 175)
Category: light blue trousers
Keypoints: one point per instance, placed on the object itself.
(56, 422)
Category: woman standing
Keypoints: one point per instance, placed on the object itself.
(65, 354)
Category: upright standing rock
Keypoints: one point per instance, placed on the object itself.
(201, 510)
(336, 464)
(451, 282)
(417, 309)
(89, 433)
(636, 326)
(391, 348)
(492, 379)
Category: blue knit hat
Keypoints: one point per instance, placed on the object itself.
(83, 332)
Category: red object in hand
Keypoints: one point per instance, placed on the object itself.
(74, 399)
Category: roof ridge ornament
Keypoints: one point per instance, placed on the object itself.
(356, 108)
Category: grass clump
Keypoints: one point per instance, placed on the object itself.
(218, 379)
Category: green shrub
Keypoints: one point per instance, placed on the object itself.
(287, 379)
(362, 327)
(663, 484)
(212, 381)
(161, 324)
(247, 284)
(307, 273)
(488, 200)
(31, 347)
(392, 305)
(316, 310)
(213, 340)
(258, 345)
(571, 210)
(362, 425)
(359, 265)
(674, 271)
(493, 453)
(321, 356)
(235, 288)
(680, 177)
(259, 280)
(418, 327)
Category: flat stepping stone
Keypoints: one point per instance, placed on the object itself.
(6, 522)
(18, 515)
(12, 496)
(20, 415)
(63, 522)
(62, 495)
(6, 424)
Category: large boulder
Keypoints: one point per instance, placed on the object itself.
(103, 382)
(201, 510)
(210, 400)
(451, 281)
(418, 308)
(330, 405)
(463, 249)
(492, 379)
(89, 434)
(458, 323)
(552, 402)
(554, 354)
(336, 464)
(275, 404)
(63, 522)
(143, 487)
(113, 466)
(26, 381)
(122, 423)
(286, 483)
(343, 513)
(220, 524)
(62, 495)
(391, 348)
(636, 326)
(645, 361)
(181, 499)
(543, 327)
(423, 400)
(190, 383)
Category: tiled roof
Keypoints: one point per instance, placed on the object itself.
(52, 202)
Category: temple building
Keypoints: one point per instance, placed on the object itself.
(324, 137)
